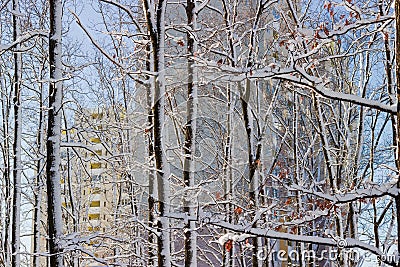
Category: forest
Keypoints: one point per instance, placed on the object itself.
(199, 133)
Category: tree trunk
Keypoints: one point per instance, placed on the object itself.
(54, 211)
(190, 238)
(397, 12)
(7, 180)
(38, 190)
(155, 19)
(17, 166)
(152, 185)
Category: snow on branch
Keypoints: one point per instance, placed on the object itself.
(358, 24)
(319, 86)
(302, 79)
(127, 10)
(269, 233)
(21, 39)
(389, 189)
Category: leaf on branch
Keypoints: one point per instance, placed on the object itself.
(228, 245)
(180, 42)
(238, 210)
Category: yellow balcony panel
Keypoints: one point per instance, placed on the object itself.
(94, 242)
(94, 216)
(95, 165)
(95, 204)
(95, 140)
(99, 152)
(97, 115)
(122, 115)
(96, 190)
(94, 228)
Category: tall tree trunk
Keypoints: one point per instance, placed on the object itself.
(53, 136)
(190, 239)
(155, 19)
(7, 179)
(254, 153)
(152, 185)
(227, 257)
(397, 12)
(17, 166)
(38, 185)
(160, 160)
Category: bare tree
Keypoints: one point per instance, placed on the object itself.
(53, 136)
(17, 166)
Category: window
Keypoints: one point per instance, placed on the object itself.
(95, 165)
(95, 204)
(98, 152)
(96, 190)
(94, 242)
(125, 201)
(96, 228)
(97, 116)
(96, 178)
(94, 216)
(95, 140)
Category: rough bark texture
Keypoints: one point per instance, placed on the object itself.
(190, 137)
(17, 166)
(38, 192)
(7, 180)
(54, 211)
(397, 11)
(152, 189)
(156, 27)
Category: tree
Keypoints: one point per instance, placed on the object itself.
(17, 166)
(190, 135)
(53, 136)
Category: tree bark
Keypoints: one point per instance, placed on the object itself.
(38, 187)
(7, 179)
(155, 19)
(17, 166)
(54, 211)
(150, 140)
(190, 238)
(397, 12)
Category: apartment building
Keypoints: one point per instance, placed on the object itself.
(90, 191)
